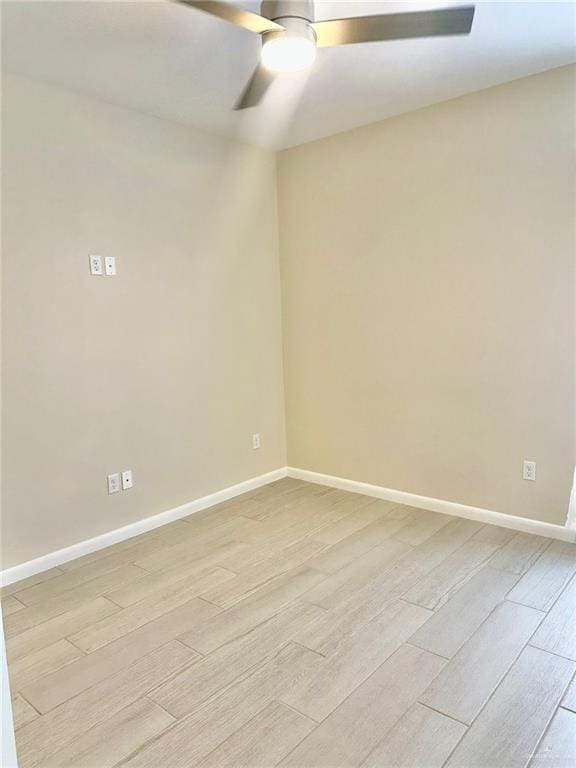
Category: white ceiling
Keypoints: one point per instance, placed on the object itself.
(179, 63)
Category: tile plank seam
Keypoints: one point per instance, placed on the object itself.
(488, 700)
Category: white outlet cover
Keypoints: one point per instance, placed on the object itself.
(127, 482)
(255, 441)
(114, 483)
(96, 265)
(529, 470)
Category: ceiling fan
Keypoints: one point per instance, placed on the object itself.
(290, 36)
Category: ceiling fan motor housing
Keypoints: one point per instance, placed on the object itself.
(296, 16)
(276, 10)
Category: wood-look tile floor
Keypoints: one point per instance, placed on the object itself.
(302, 627)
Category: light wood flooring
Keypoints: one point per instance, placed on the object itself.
(302, 627)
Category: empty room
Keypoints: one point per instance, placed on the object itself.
(288, 384)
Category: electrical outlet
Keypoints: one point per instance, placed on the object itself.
(256, 441)
(114, 483)
(96, 265)
(110, 265)
(529, 472)
(127, 481)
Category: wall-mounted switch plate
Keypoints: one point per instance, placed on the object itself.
(255, 441)
(96, 265)
(114, 483)
(529, 471)
(110, 265)
(127, 479)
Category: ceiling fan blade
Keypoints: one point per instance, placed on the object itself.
(256, 88)
(394, 26)
(234, 15)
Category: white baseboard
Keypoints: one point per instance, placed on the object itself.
(60, 556)
(438, 505)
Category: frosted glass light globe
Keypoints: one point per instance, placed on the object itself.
(288, 53)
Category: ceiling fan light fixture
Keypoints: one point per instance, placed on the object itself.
(288, 54)
(290, 35)
(290, 50)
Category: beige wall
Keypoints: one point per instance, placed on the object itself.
(428, 298)
(167, 368)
